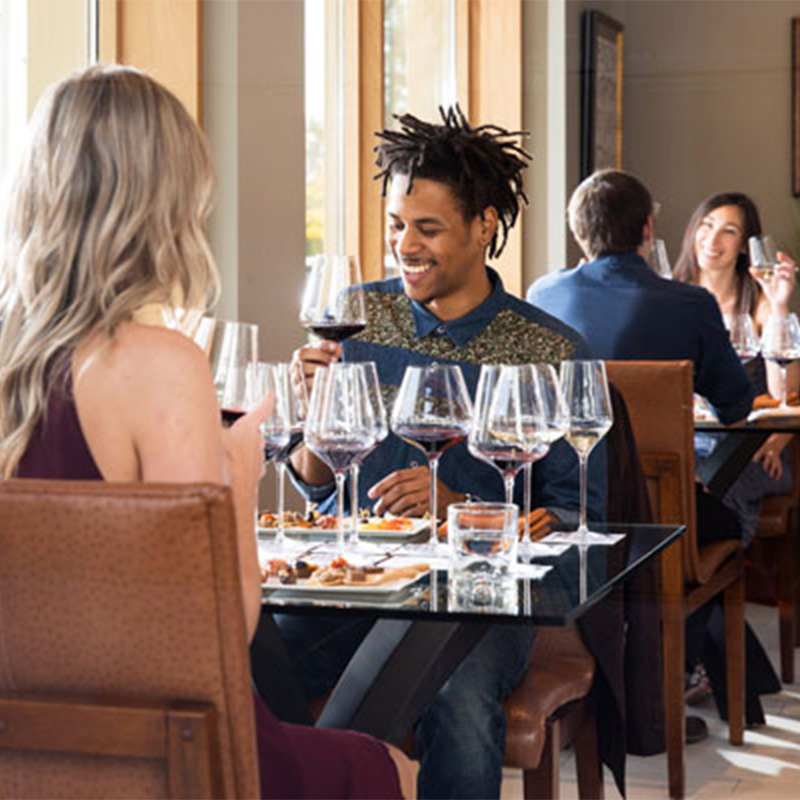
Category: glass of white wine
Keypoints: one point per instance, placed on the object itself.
(763, 256)
(585, 388)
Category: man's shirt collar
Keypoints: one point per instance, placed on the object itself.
(463, 329)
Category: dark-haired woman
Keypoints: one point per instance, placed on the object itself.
(715, 256)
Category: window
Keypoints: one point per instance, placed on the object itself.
(13, 79)
(40, 40)
(369, 59)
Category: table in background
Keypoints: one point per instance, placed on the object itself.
(419, 638)
(733, 453)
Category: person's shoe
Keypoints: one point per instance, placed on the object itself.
(698, 687)
(696, 730)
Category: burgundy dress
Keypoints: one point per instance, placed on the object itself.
(294, 761)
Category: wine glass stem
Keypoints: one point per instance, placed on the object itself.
(341, 478)
(433, 462)
(527, 474)
(508, 479)
(784, 393)
(280, 471)
(583, 460)
(354, 502)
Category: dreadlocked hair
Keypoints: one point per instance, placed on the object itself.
(482, 166)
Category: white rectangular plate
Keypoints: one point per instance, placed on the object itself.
(302, 587)
(417, 526)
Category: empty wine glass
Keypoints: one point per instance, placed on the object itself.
(508, 420)
(432, 411)
(232, 348)
(340, 424)
(585, 388)
(659, 260)
(743, 335)
(763, 256)
(780, 343)
(381, 432)
(263, 380)
(557, 422)
(333, 299)
(295, 410)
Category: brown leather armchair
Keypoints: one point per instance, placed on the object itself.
(660, 400)
(124, 666)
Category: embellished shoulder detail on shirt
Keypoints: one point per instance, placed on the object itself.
(510, 338)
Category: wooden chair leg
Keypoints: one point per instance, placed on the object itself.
(542, 783)
(734, 659)
(674, 654)
(789, 564)
(587, 758)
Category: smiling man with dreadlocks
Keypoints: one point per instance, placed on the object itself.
(454, 192)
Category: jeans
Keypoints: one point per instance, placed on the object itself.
(461, 736)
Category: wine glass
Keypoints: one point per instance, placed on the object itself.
(333, 299)
(585, 388)
(508, 420)
(263, 380)
(232, 348)
(780, 343)
(381, 432)
(340, 424)
(659, 260)
(295, 410)
(432, 411)
(743, 335)
(763, 256)
(557, 422)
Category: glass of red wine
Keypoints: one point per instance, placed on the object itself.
(381, 432)
(509, 421)
(333, 300)
(232, 348)
(340, 425)
(432, 411)
(780, 343)
(281, 431)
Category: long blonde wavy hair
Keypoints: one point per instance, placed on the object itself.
(105, 214)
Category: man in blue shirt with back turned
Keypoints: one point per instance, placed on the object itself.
(627, 312)
(453, 194)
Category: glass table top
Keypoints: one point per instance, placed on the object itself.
(554, 586)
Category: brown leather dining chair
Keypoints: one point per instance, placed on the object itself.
(124, 666)
(659, 398)
(555, 704)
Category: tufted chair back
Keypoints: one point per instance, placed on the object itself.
(123, 655)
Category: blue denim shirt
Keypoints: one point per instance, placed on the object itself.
(502, 330)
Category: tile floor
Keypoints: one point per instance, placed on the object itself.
(766, 767)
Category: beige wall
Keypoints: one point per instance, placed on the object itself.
(254, 118)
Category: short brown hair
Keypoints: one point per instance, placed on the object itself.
(608, 212)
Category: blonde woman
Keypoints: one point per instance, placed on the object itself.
(105, 216)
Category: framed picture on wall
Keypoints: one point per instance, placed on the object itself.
(601, 92)
(796, 106)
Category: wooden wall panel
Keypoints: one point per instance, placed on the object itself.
(495, 94)
(163, 37)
